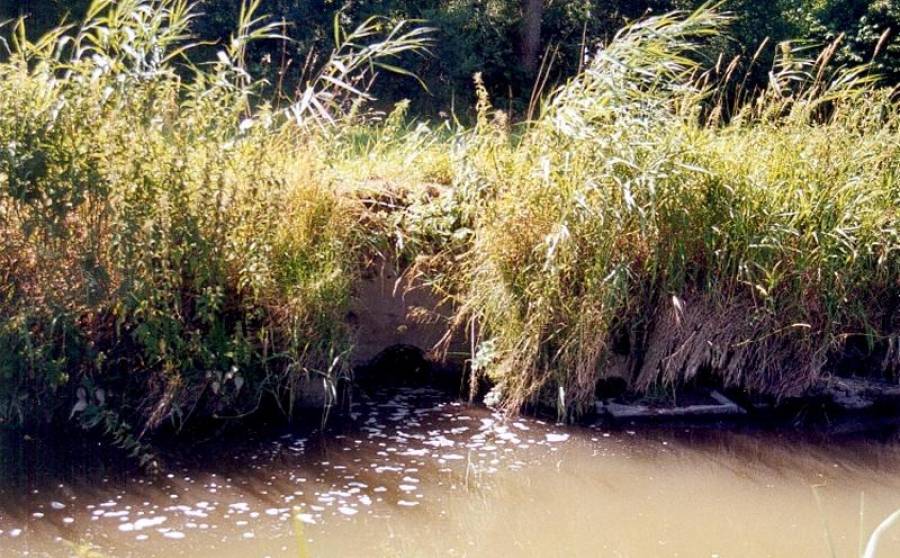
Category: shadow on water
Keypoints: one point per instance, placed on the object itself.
(413, 472)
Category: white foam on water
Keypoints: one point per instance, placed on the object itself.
(415, 452)
(144, 523)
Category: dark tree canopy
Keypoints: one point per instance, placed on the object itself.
(507, 40)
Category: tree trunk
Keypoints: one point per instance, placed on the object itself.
(530, 48)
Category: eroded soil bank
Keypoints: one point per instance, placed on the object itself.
(688, 365)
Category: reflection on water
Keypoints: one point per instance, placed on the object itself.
(415, 474)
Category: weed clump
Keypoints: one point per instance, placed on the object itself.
(170, 245)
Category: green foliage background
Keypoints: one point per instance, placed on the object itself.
(482, 36)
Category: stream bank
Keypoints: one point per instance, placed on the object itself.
(403, 338)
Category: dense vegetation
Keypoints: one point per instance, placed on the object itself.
(645, 227)
(179, 242)
(169, 247)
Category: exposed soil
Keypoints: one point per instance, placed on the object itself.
(696, 348)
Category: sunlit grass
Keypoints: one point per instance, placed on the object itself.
(631, 230)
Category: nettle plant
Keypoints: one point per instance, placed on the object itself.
(169, 246)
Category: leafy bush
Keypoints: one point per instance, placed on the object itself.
(171, 245)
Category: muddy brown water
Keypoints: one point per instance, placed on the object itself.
(413, 473)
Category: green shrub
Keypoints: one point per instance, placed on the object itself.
(170, 247)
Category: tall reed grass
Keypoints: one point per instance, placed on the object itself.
(641, 228)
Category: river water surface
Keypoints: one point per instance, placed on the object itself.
(414, 473)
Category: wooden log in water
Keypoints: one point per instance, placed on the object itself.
(723, 407)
